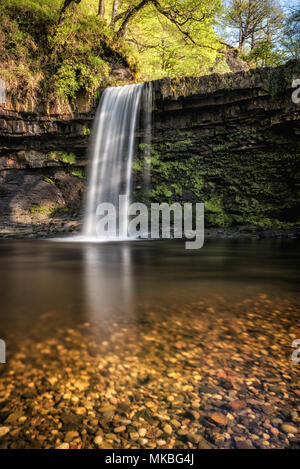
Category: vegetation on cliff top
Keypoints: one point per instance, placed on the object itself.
(42, 58)
(58, 50)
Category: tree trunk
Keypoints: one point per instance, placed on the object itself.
(114, 10)
(101, 9)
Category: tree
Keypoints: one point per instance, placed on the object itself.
(170, 37)
(266, 53)
(114, 11)
(291, 35)
(181, 14)
(101, 9)
(256, 21)
(186, 46)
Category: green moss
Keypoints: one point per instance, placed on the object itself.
(68, 158)
(45, 210)
(42, 210)
(59, 210)
(86, 130)
(47, 179)
(78, 172)
(241, 187)
(137, 165)
(215, 212)
(280, 79)
(220, 147)
(162, 192)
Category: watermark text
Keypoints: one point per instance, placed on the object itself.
(2, 351)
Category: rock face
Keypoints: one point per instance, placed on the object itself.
(42, 169)
(230, 141)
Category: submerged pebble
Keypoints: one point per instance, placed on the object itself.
(217, 379)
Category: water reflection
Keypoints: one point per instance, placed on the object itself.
(108, 281)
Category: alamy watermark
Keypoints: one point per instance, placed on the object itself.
(137, 221)
(296, 93)
(2, 351)
(296, 353)
(2, 92)
(296, 100)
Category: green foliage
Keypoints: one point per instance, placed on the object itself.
(86, 130)
(47, 179)
(265, 54)
(44, 210)
(290, 42)
(77, 51)
(164, 50)
(163, 190)
(41, 58)
(59, 61)
(78, 172)
(68, 158)
(256, 27)
(215, 212)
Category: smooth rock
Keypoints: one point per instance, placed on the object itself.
(4, 431)
(168, 429)
(142, 432)
(63, 446)
(70, 436)
(98, 440)
(219, 419)
(237, 405)
(288, 428)
(243, 444)
(120, 429)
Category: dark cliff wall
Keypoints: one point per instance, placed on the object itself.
(230, 141)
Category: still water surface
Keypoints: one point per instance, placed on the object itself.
(73, 283)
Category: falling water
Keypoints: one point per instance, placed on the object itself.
(147, 127)
(2, 92)
(111, 153)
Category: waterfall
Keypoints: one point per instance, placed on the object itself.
(111, 153)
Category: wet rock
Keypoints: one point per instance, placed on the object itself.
(168, 429)
(276, 422)
(181, 419)
(243, 444)
(288, 428)
(161, 443)
(4, 431)
(70, 436)
(237, 405)
(134, 436)
(142, 432)
(218, 419)
(98, 440)
(120, 429)
(63, 446)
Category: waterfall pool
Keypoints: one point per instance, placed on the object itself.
(189, 348)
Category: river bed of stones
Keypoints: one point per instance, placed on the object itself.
(206, 375)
